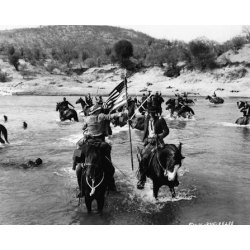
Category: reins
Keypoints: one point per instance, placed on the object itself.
(167, 165)
(93, 183)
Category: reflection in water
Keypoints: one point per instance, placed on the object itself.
(246, 133)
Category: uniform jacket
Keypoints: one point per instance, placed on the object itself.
(160, 126)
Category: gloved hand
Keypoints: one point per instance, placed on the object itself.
(130, 122)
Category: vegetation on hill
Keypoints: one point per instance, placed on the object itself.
(66, 47)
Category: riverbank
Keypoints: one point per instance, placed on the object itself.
(230, 81)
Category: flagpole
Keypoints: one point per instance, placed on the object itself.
(140, 106)
(129, 129)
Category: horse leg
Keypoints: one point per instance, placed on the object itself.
(156, 188)
(1, 140)
(172, 192)
(88, 203)
(100, 204)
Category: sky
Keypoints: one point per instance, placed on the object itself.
(218, 20)
(219, 33)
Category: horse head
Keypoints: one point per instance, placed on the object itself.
(241, 104)
(93, 162)
(173, 161)
(58, 106)
(208, 97)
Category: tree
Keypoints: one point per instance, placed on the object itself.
(123, 50)
(246, 31)
(11, 50)
(203, 57)
(85, 55)
(108, 51)
(14, 60)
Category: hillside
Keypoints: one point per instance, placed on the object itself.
(231, 80)
(91, 38)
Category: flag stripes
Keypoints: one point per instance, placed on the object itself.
(117, 96)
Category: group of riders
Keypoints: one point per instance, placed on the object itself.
(96, 128)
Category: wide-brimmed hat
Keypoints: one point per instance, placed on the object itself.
(95, 108)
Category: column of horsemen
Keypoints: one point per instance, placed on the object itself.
(93, 150)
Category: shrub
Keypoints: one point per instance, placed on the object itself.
(3, 76)
(14, 60)
(51, 66)
(90, 62)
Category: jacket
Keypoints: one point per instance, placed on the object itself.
(160, 127)
(98, 125)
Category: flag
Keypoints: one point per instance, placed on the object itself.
(117, 97)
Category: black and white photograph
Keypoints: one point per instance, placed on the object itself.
(124, 122)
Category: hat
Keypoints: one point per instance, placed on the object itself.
(94, 108)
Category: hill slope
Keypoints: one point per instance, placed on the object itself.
(88, 37)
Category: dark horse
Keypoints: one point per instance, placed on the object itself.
(4, 132)
(85, 107)
(162, 167)
(66, 114)
(215, 100)
(93, 182)
(178, 110)
(122, 120)
(245, 109)
(188, 101)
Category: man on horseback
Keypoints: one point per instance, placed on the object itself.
(88, 100)
(96, 128)
(65, 104)
(155, 130)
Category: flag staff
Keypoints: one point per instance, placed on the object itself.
(129, 129)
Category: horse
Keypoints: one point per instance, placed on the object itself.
(162, 167)
(245, 108)
(85, 107)
(122, 120)
(188, 101)
(215, 100)
(66, 114)
(178, 110)
(93, 179)
(4, 132)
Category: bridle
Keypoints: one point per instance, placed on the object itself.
(165, 170)
(93, 186)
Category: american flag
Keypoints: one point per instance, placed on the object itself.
(117, 97)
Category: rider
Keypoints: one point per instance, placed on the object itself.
(214, 95)
(97, 127)
(246, 109)
(65, 104)
(99, 100)
(155, 130)
(157, 101)
(89, 100)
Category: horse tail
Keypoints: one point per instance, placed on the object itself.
(5, 134)
(178, 155)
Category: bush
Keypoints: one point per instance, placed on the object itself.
(3, 76)
(51, 66)
(14, 60)
(90, 62)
